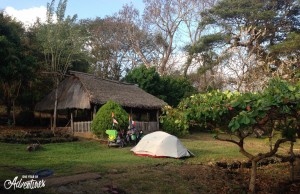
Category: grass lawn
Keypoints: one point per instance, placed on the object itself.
(90, 156)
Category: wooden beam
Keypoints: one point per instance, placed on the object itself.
(72, 124)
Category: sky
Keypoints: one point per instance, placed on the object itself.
(27, 11)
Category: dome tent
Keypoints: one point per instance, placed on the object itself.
(161, 144)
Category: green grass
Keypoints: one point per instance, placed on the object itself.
(69, 158)
(91, 156)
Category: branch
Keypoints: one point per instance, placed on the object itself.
(228, 140)
(272, 152)
(240, 144)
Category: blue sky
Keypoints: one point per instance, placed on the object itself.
(25, 9)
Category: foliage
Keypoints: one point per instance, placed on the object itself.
(146, 78)
(254, 35)
(236, 112)
(171, 89)
(17, 65)
(290, 50)
(174, 89)
(103, 119)
(174, 122)
(61, 40)
(165, 19)
(240, 115)
(36, 136)
(25, 118)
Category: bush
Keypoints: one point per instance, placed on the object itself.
(103, 118)
(26, 118)
(36, 136)
(173, 122)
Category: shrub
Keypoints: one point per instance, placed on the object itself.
(26, 118)
(103, 118)
(173, 122)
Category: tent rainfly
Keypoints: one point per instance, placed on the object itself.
(161, 144)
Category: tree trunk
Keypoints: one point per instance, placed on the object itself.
(270, 142)
(253, 177)
(292, 159)
(187, 65)
(55, 106)
(14, 114)
(8, 110)
(14, 100)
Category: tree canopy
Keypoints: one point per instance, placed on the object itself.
(251, 34)
(171, 89)
(16, 64)
(241, 115)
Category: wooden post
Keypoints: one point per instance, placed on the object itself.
(94, 112)
(51, 121)
(72, 124)
(130, 123)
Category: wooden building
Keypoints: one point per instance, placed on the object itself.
(80, 95)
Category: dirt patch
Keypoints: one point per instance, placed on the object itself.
(58, 181)
(183, 178)
(238, 164)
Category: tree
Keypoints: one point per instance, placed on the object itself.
(289, 50)
(168, 88)
(61, 39)
(253, 27)
(138, 35)
(194, 32)
(109, 47)
(175, 88)
(240, 115)
(164, 18)
(208, 75)
(146, 78)
(16, 67)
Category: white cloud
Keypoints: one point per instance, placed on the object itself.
(27, 16)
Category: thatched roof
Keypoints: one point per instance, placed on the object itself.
(80, 90)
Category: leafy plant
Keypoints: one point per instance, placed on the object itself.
(104, 121)
(240, 115)
(174, 122)
(171, 89)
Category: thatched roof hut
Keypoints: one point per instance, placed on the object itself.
(82, 91)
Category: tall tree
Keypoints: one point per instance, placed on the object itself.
(164, 18)
(146, 78)
(138, 35)
(253, 27)
(61, 40)
(109, 48)
(193, 31)
(15, 65)
(289, 50)
(171, 89)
